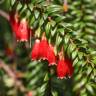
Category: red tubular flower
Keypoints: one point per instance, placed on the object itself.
(14, 21)
(70, 67)
(35, 50)
(23, 29)
(43, 49)
(62, 69)
(51, 55)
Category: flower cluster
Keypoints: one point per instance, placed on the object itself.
(43, 50)
(20, 28)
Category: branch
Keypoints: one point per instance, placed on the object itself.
(4, 14)
(10, 73)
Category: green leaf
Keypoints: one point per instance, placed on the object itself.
(59, 18)
(74, 54)
(61, 31)
(58, 40)
(43, 87)
(80, 84)
(53, 23)
(46, 78)
(32, 64)
(54, 93)
(90, 89)
(38, 32)
(66, 39)
(72, 47)
(41, 22)
(53, 32)
(32, 20)
(48, 29)
(36, 14)
(75, 61)
(54, 8)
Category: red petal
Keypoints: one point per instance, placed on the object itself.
(51, 56)
(35, 50)
(23, 29)
(43, 48)
(15, 24)
(62, 69)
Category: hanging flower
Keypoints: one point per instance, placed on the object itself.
(51, 55)
(70, 67)
(62, 69)
(43, 49)
(35, 50)
(14, 21)
(23, 30)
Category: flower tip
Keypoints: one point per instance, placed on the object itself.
(60, 77)
(69, 77)
(51, 64)
(23, 40)
(37, 41)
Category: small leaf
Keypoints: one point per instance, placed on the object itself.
(32, 64)
(74, 54)
(75, 61)
(46, 78)
(90, 89)
(36, 14)
(41, 22)
(48, 28)
(38, 32)
(61, 31)
(54, 93)
(66, 39)
(53, 32)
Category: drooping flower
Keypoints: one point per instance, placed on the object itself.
(62, 69)
(23, 30)
(43, 49)
(51, 55)
(35, 50)
(14, 21)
